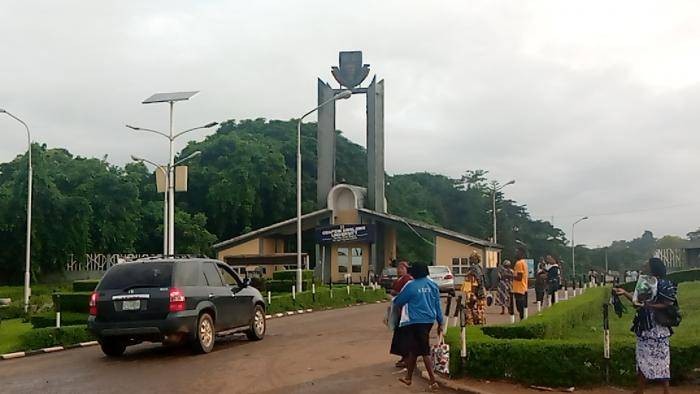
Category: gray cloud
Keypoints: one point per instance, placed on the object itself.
(592, 113)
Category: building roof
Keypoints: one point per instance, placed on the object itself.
(273, 228)
(387, 217)
(693, 244)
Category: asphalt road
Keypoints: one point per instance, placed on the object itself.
(339, 351)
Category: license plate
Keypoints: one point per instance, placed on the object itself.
(131, 305)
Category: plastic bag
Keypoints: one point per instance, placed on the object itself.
(645, 289)
(440, 353)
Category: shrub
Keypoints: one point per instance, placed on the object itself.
(259, 283)
(677, 277)
(48, 319)
(13, 311)
(285, 286)
(291, 275)
(305, 300)
(75, 302)
(48, 337)
(85, 285)
(554, 322)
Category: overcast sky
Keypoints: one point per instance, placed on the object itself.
(592, 106)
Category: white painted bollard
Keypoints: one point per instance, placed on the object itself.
(525, 314)
(269, 297)
(348, 287)
(556, 297)
(294, 292)
(539, 306)
(331, 293)
(512, 319)
(363, 287)
(566, 294)
(463, 338)
(58, 319)
(313, 288)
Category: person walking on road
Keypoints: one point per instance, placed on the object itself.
(657, 313)
(420, 308)
(520, 282)
(505, 286)
(404, 277)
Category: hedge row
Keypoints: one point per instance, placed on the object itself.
(284, 286)
(677, 277)
(292, 275)
(85, 285)
(75, 302)
(557, 363)
(340, 298)
(48, 319)
(47, 337)
(555, 321)
(13, 311)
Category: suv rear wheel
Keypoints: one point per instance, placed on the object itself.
(112, 347)
(203, 341)
(256, 331)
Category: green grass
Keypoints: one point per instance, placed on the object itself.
(10, 333)
(688, 299)
(17, 292)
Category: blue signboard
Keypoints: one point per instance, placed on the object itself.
(345, 233)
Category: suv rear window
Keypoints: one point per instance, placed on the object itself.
(389, 271)
(130, 275)
(438, 270)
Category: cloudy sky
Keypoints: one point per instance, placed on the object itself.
(591, 106)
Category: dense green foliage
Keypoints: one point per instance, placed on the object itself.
(40, 338)
(75, 302)
(292, 275)
(324, 299)
(48, 319)
(245, 179)
(573, 344)
(85, 285)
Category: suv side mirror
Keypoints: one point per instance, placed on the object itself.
(246, 282)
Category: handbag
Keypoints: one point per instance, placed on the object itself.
(668, 317)
(440, 353)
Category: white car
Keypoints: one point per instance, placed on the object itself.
(443, 277)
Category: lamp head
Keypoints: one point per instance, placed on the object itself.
(2, 111)
(195, 154)
(510, 183)
(133, 127)
(345, 94)
(212, 124)
(136, 158)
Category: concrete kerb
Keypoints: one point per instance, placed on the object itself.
(53, 349)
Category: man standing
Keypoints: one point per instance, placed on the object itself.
(520, 282)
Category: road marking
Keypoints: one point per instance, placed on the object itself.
(91, 343)
(52, 349)
(12, 355)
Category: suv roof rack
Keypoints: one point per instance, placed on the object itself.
(175, 256)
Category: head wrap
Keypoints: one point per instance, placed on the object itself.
(657, 267)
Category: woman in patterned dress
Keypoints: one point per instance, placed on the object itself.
(505, 285)
(653, 352)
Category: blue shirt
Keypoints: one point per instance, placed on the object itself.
(419, 301)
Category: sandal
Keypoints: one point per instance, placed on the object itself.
(434, 386)
(400, 364)
(405, 381)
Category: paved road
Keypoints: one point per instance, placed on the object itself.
(339, 351)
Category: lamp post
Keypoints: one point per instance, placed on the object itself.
(28, 253)
(339, 96)
(573, 246)
(494, 190)
(171, 98)
(164, 169)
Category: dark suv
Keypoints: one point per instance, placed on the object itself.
(173, 300)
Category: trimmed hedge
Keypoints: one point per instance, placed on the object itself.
(47, 337)
(554, 322)
(676, 277)
(85, 285)
(75, 302)
(13, 311)
(285, 286)
(340, 298)
(48, 319)
(558, 363)
(291, 275)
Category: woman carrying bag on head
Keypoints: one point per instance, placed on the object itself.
(657, 312)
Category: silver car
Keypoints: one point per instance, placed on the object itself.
(443, 277)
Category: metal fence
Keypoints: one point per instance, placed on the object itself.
(101, 261)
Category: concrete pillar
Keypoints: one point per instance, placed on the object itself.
(375, 146)
(325, 149)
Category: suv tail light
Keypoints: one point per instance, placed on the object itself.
(93, 304)
(177, 300)
(449, 276)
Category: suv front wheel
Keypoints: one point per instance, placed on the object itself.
(256, 331)
(203, 341)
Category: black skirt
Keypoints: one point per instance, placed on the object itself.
(412, 339)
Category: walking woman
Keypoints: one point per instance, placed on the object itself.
(420, 303)
(505, 286)
(656, 314)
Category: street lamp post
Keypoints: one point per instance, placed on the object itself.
(28, 252)
(494, 190)
(341, 95)
(573, 246)
(166, 171)
(171, 98)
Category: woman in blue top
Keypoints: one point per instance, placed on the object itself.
(420, 307)
(653, 352)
